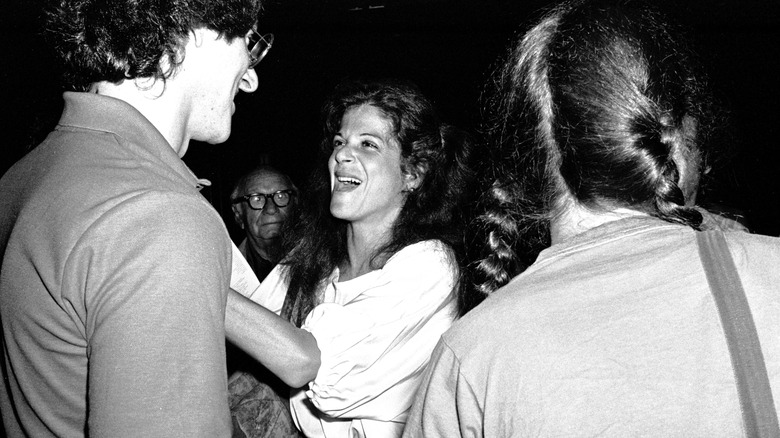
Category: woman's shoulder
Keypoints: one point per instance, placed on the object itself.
(432, 256)
(432, 249)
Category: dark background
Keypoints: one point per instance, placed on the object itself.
(448, 48)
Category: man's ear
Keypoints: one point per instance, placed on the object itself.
(238, 215)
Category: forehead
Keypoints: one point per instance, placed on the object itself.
(367, 119)
(266, 182)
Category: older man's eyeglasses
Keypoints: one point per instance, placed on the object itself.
(258, 46)
(257, 201)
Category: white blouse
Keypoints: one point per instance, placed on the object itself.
(376, 333)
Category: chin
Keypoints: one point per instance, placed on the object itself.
(220, 141)
(219, 137)
(339, 212)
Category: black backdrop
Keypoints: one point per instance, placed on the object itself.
(447, 47)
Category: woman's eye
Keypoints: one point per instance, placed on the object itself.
(369, 144)
(337, 143)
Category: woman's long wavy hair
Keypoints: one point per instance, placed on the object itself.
(128, 39)
(590, 104)
(437, 209)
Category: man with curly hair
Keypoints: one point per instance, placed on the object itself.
(115, 270)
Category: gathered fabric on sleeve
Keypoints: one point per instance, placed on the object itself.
(376, 334)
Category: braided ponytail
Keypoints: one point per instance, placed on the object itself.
(590, 105)
(670, 202)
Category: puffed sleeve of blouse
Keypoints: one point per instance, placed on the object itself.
(376, 341)
(271, 292)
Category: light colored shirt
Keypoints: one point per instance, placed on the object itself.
(375, 333)
(613, 333)
(115, 273)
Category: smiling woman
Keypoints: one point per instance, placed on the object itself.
(371, 280)
(368, 187)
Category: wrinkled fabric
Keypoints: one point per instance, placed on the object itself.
(375, 333)
(613, 333)
(114, 279)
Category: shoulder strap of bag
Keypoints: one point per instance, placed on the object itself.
(755, 394)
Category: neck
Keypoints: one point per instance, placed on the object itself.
(362, 245)
(157, 101)
(268, 249)
(573, 218)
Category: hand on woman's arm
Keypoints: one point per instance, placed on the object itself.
(287, 351)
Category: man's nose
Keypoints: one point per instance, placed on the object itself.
(270, 207)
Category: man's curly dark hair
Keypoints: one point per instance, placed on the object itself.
(98, 40)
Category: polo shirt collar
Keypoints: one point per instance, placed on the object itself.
(104, 113)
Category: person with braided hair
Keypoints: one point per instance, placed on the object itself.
(598, 318)
(350, 316)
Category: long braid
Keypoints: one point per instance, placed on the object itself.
(512, 229)
(590, 107)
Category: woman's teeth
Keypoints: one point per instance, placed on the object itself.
(352, 181)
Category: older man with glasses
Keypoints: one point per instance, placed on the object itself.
(262, 201)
